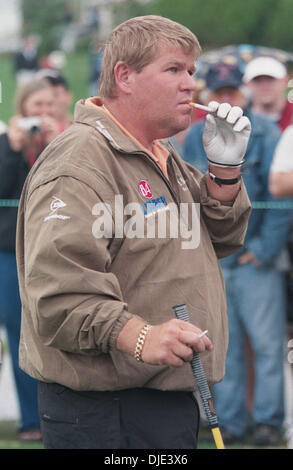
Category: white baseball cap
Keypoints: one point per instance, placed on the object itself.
(264, 66)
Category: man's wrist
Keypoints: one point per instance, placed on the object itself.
(225, 172)
(127, 338)
(226, 165)
(140, 342)
(223, 192)
(224, 181)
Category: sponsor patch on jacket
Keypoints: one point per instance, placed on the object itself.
(55, 205)
(145, 189)
(153, 206)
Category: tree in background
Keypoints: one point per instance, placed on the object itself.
(279, 29)
(216, 22)
(221, 22)
(128, 9)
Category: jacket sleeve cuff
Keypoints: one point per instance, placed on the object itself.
(208, 201)
(117, 327)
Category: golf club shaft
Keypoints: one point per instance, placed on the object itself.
(181, 313)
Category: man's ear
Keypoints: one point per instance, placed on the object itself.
(123, 76)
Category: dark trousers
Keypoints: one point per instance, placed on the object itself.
(126, 419)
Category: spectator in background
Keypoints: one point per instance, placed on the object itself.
(96, 59)
(255, 288)
(62, 97)
(26, 61)
(63, 101)
(19, 148)
(68, 16)
(281, 177)
(93, 19)
(281, 185)
(267, 80)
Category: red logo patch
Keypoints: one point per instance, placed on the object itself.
(145, 189)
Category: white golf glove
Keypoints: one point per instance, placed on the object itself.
(226, 135)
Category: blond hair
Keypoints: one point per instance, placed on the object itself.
(136, 43)
(27, 90)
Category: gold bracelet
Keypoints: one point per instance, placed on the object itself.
(140, 342)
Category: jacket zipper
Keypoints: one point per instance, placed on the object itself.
(146, 156)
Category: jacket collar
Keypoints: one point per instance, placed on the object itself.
(96, 118)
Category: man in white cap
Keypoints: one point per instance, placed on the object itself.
(267, 79)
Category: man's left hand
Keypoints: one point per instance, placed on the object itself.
(226, 134)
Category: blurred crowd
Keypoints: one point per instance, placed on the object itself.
(253, 398)
(42, 111)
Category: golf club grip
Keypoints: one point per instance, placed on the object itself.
(181, 313)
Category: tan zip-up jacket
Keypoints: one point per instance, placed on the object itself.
(78, 290)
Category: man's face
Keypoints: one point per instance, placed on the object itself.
(162, 90)
(228, 94)
(267, 90)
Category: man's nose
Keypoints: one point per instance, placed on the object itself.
(188, 83)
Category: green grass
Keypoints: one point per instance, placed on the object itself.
(76, 72)
(8, 88)
(9, 440)
(206, 442)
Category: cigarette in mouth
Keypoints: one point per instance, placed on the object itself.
(200, 106)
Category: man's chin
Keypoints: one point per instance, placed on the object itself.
(183, 125)
(176, 128)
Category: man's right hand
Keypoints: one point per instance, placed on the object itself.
(172, 343)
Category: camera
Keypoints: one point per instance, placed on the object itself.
(30, 124)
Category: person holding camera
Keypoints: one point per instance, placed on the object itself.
(28, 133)
(33, 128)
